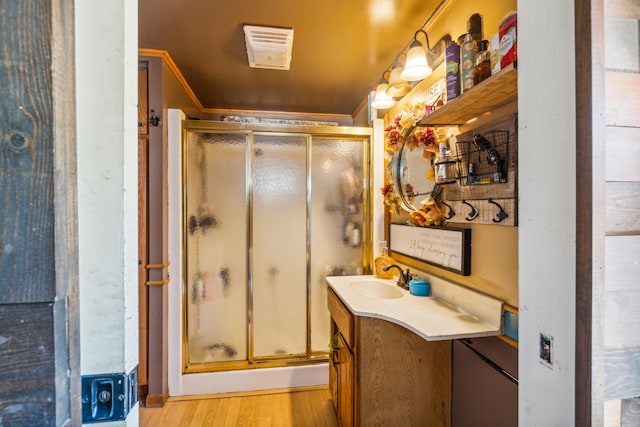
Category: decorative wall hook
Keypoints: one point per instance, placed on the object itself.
(501, 215)
(153, 119)
(451, 213)
(474, 212)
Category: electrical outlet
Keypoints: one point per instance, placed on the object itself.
(546, 350)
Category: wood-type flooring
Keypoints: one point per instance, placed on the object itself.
(308, 408)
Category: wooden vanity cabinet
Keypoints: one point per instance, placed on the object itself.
(341, 367)
(383, 374)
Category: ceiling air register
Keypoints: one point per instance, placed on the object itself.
(268, 47)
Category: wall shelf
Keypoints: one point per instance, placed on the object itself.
(496, 91)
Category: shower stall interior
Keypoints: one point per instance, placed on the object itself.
(268, 213)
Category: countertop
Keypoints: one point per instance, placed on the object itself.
(450, 312)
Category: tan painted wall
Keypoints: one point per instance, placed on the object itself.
(174, 95)
(494, 253)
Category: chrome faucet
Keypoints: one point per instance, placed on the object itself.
(404, 278)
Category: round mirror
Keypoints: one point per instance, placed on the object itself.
(414, 176)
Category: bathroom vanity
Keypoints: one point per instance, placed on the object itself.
(391, 351)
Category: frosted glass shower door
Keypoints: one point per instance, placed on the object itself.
(216, 236)
(279, 260)
(336, 221)
(267, 216)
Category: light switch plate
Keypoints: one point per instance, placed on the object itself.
(546, 350)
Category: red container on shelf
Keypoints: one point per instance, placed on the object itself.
(508, 41)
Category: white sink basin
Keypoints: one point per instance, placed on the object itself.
(374, 289)
(451, 312)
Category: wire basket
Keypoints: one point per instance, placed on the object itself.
(484, 160)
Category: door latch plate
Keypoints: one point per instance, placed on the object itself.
(108, 397)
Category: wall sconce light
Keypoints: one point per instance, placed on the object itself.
(416, 67)
(397, 86)
(381, 100)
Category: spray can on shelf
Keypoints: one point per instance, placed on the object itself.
(452, 58)
(508, 40)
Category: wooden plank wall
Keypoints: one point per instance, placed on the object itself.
(39, 350)
(622, 198)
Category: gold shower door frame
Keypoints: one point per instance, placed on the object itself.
(249, 130)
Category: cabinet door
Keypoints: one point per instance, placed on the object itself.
(481, 395)
(345, 383)
(333, 365)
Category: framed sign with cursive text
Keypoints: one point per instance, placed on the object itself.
(448, 248)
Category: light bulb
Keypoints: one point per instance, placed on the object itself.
(416, 68)
(397, 86)
(381, 100)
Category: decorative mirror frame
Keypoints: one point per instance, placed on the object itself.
(403, 172)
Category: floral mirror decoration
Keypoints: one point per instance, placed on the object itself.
(431, 211)
(392, 201)
(403, 133)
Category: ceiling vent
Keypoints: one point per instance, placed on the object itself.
(268, 47)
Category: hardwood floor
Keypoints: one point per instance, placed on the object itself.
(308, 408)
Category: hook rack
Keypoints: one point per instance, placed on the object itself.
(487, 179)
(480, 211)
(474, 212)
(451, 213)
(501, 215)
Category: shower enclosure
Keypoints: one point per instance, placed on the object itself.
(268, 212)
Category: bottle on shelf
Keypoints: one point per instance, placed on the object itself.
(452, 55)
(441, 163)
(468, 49)
(474, 27)
(494, 54)
(483, 62)
(471, 178)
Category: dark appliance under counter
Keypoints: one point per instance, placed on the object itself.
(484, 384)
